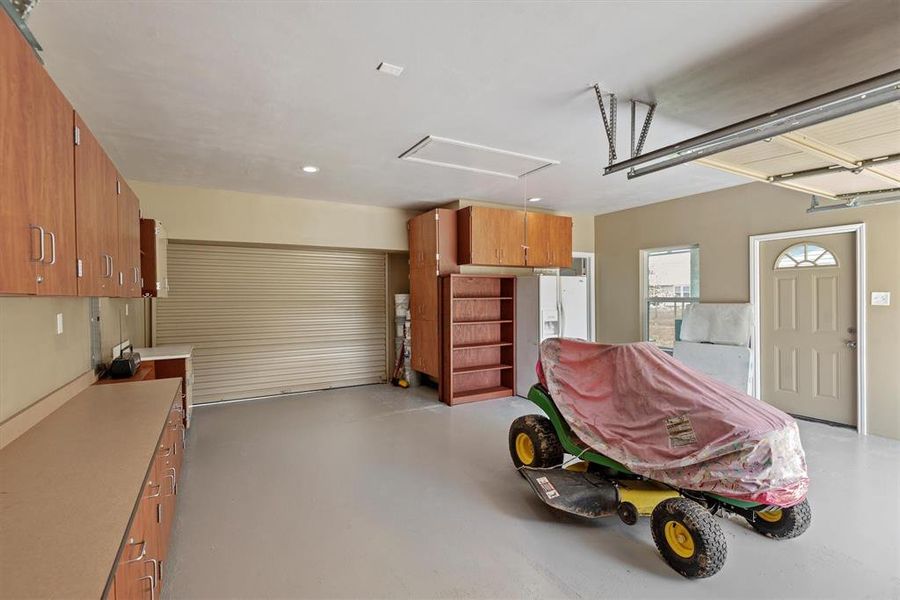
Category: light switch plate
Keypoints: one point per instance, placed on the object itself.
(59, 323)
(881, 298)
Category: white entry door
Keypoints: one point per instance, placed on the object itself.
(808, 326)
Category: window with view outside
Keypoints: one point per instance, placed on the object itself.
(673, 282)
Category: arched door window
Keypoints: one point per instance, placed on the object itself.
(805, 254)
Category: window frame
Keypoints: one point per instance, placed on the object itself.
(806, 263)
(646, 299)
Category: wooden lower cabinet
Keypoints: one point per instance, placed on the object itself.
(141, 568)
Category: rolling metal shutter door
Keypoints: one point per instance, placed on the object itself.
(272, 320)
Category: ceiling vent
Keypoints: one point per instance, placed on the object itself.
(454, 154)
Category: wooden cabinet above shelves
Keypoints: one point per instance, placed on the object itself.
(513, 238)
(549, 239)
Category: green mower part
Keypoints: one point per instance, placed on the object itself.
(567, 439)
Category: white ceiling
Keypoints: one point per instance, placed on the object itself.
(239, 95)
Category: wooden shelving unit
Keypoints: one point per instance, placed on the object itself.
(478, 337)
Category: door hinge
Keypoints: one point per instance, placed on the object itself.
(77, 136)
(437, 216)
(79, 268)
(437, 257)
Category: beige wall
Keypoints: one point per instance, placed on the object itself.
(721, 222)
(187, 214)
(34, 360)
(132, 324)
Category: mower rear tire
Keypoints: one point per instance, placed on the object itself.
(533, 442)
(784, 523)
(688, 538)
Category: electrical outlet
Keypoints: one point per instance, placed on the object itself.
(59, 323)
(881, 298)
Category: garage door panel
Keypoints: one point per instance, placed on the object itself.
(273, 320)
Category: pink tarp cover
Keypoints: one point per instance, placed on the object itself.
(663, 420)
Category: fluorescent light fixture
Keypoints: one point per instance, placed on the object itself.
(310, 169)
(444, 152)
(535, 199)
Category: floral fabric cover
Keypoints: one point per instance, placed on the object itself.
(663, 420)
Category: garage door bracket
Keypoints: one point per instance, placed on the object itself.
(608, 114)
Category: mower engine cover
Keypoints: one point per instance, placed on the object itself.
(663, 420)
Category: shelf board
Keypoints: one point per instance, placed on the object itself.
(482, 345)
(482, 394)
(479, 369)
(482, 298)
(482, 322)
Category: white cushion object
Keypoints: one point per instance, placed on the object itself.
(729, 364)
(717, 323)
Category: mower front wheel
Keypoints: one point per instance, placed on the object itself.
(533, 442)
(688, 538)
(782, 523)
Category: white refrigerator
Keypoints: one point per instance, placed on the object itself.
(547, 306)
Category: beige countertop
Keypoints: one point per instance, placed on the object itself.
(165, 352)
(69, 485)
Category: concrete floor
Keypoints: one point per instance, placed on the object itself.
(377, 492)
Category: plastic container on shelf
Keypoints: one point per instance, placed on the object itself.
(401, 304)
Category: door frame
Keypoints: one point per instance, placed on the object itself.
(859, 229)
(592, 292)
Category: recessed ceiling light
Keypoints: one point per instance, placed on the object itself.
(310, 169)
(535, 199)
(390, 69)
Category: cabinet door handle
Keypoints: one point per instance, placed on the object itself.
(143, 553)
(167, 453)
(155, 566)
(52, 247)
(174, 485)
(152, 585)
(40, 230)
(158, 487)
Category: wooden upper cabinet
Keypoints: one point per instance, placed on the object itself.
(129, 241)
(96, 208)
(37, 209)
(432, 252)
(549, 240)
(154, 267)
(432, 241)
(491, 236)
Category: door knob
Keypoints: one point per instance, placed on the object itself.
(851, 344)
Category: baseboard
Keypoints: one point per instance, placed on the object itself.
(30, 416)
